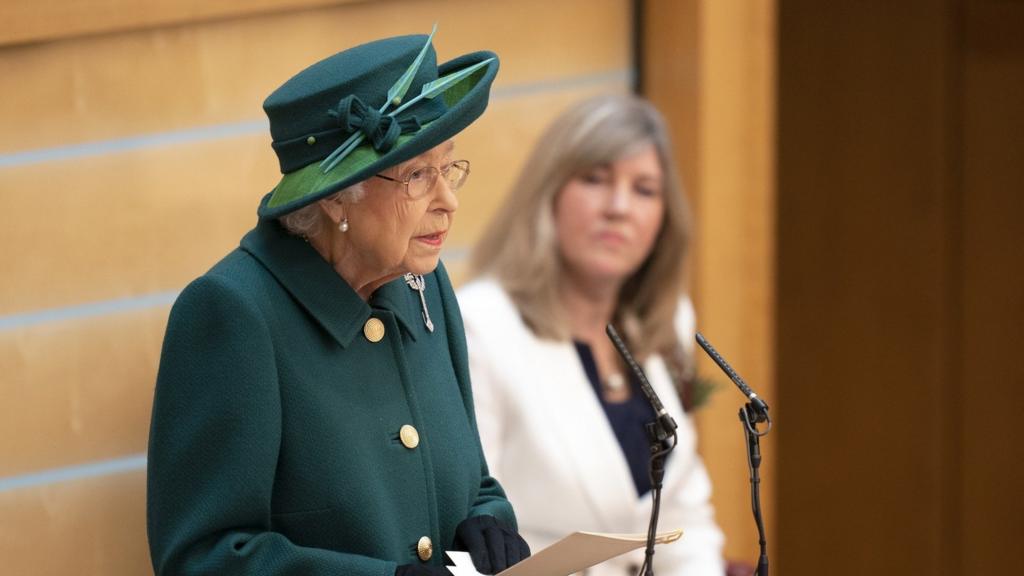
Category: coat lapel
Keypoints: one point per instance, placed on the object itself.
(314, 284)
(318, 288)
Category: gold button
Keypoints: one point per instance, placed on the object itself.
(373, 330)
(410, 437)
(424, 549)
(311, 140)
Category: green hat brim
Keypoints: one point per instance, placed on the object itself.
(465, 102)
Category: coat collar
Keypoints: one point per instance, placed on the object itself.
(404, 302)
(318, 288)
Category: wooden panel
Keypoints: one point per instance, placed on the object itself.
(104, 87)
(140, 222)
(93, 527)
(133, 223)
(221, 72)
(734, 250)
(992, 280)
(38, 20)
(79, 390)
(866, 240)
(672, 69)
(710, 67)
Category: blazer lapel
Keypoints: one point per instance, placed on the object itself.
(590, 443)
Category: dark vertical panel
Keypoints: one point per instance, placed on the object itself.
(638, 55)
(993, 286)
(866, 185)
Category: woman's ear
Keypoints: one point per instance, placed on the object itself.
(334, 208)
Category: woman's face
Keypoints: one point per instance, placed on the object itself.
(608, 218)
(390, 233)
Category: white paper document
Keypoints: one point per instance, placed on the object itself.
(463, 564)
(571, 554)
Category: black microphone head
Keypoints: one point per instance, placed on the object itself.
(645, 385)
(759, 405)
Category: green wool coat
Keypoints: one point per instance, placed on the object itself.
(274, 445)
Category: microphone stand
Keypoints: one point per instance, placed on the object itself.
(659, 433)
(751, 414)
(750, 419)
(660, 448)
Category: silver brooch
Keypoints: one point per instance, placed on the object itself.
(416, 282)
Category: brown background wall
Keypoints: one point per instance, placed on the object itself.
(900, 283)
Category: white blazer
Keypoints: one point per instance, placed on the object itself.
(549, 443)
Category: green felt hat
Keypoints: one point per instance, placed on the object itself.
(366, 109)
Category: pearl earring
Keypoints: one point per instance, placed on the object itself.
(344, 225)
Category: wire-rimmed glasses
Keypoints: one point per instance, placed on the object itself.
(421, 180)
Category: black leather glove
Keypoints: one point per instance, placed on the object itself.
(491, 545)
(421, 570)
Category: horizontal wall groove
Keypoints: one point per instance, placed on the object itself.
(86, 310)
(27, 30)
(138, 142)
(258, 127)
(77, 472)
(455, 255)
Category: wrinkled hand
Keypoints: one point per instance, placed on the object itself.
(421, 570)
(492, 546)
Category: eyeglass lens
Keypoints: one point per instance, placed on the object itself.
(422, 180)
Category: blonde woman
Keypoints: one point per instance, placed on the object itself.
(595, 231)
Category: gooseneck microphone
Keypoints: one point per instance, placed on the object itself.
(662, 438)
(755, 412)
(758, 404)
(666, 420)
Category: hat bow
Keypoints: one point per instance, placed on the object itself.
(381, 129)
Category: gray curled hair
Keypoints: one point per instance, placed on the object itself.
(308, 221)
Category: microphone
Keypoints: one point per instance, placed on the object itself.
(666, 420)
(755, 412)
(758, 404)
(659, 431)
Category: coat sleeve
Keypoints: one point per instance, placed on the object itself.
(491, 499)
(214, 441)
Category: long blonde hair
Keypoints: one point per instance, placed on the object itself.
(520, 248)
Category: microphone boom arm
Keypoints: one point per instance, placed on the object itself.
(668, 424)
(760, 406)
(753, 413)
(661, 435)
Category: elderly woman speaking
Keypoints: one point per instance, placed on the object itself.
(313, 412)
